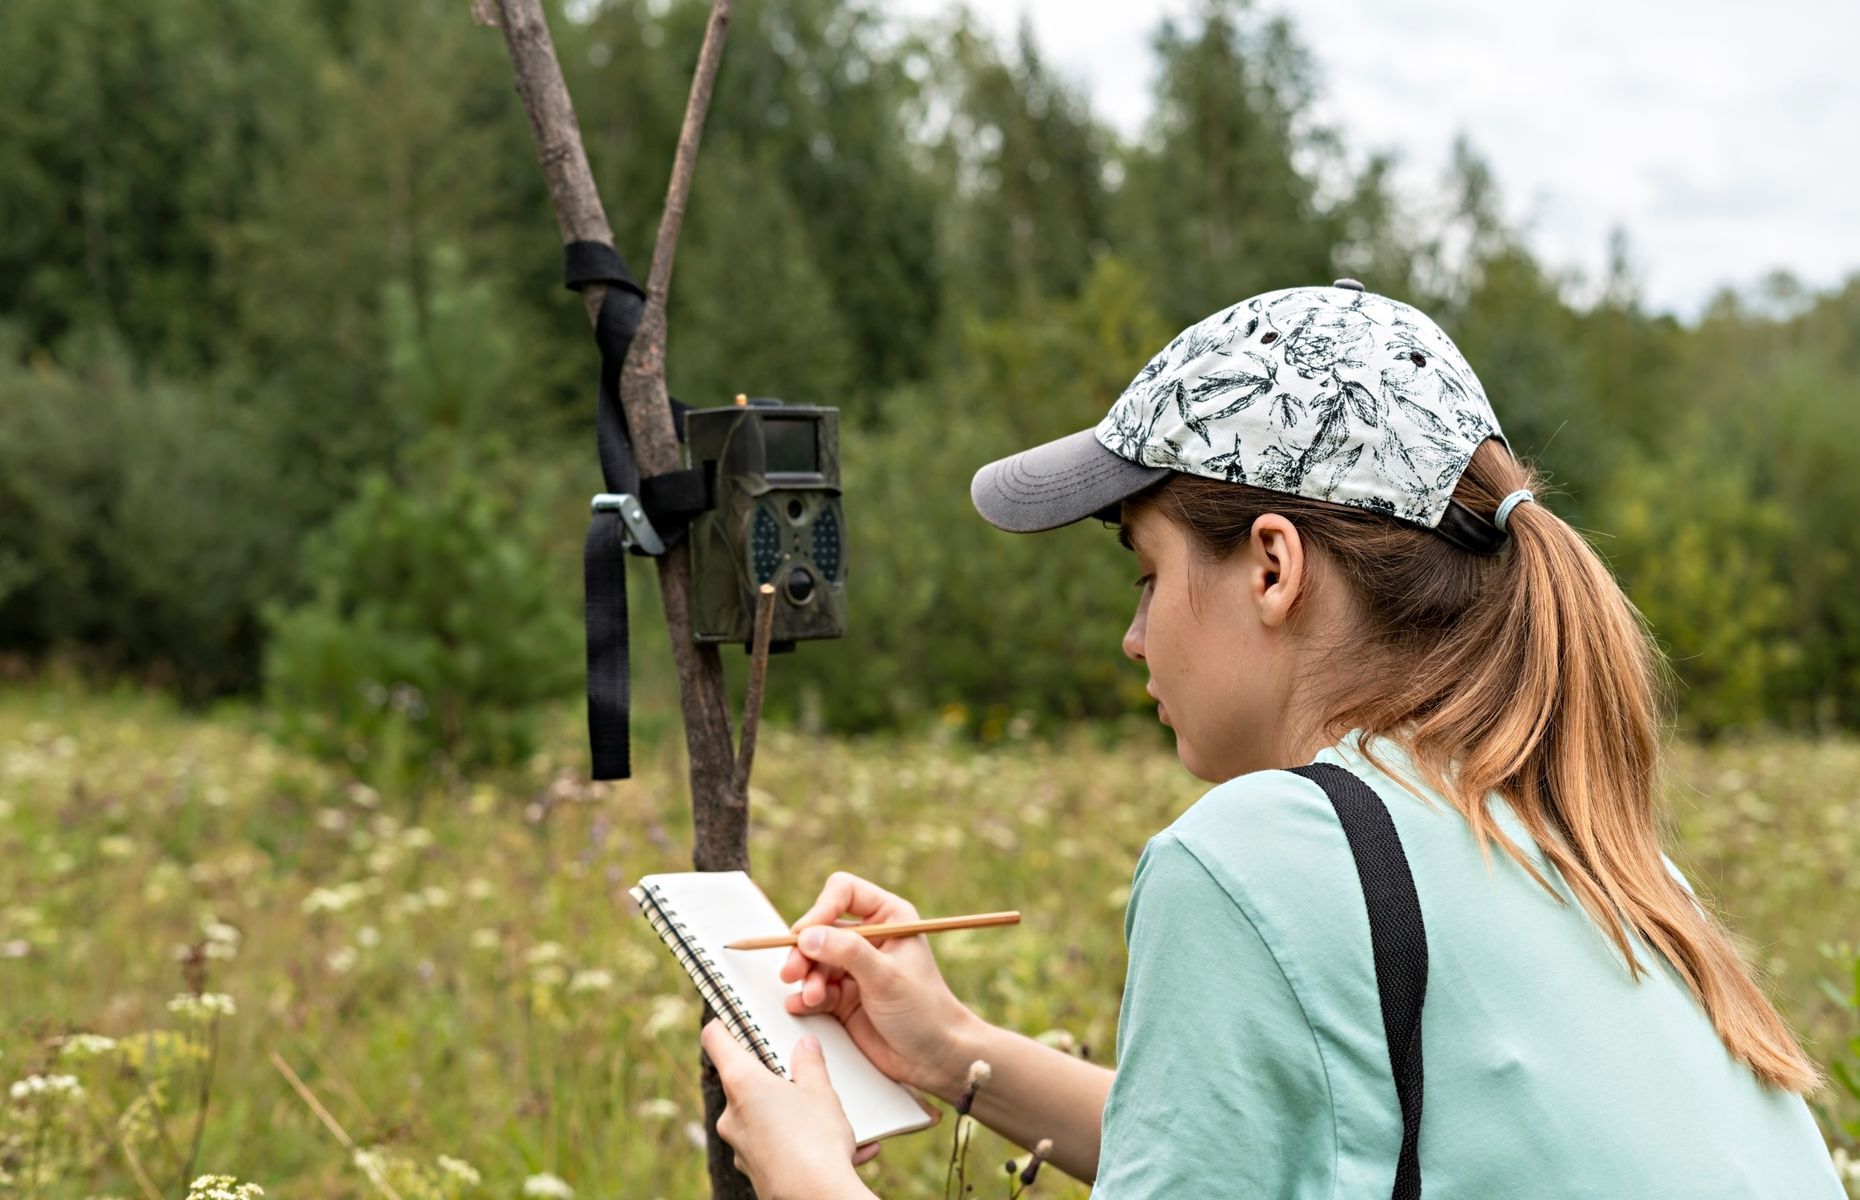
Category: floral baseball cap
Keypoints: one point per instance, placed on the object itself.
(1333, 393)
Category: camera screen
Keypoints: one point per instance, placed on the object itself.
(790, 445)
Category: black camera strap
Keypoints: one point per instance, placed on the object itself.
(1398, 941)
(669, 502)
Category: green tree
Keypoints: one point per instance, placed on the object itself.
(947, 610)
(436, 625)
(144, 534)
(812, 97)
(1212, 200)
(1024, 163)
(130, 135)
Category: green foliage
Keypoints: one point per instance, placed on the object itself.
(1039, 620)
(1700, 564)
(436, 624)
(1844, 1059)
(130, 134)
(228, 224)
(1213, 199)
(144, 521)
(1024, 162)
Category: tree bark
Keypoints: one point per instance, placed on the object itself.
(719, 791)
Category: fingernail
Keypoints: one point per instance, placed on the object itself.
(810, 1043)
(813, 939)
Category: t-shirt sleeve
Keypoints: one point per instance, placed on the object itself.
(1219, 1090)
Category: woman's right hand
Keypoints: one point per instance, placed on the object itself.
(888, 994)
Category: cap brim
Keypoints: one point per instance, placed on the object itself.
(1057, 483)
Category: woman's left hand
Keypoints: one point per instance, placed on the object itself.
(790, 1136)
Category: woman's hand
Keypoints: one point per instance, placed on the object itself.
(790, 1135)
(888, 994)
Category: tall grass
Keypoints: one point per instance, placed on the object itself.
(464, 977)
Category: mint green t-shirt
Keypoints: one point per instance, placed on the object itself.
(1251, 1060)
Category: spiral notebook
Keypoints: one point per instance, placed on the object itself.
(695, 913)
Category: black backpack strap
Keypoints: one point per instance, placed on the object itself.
(1398, 940)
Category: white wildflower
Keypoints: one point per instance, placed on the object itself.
(332, 820)
(485, 939)
(372, 1163)
(16, 948)
(658, 1108)
(435, 896)
(49, 1086)
(222, 1187)
(86, 1045)
(460, 1170)
(115, 845)
(416, 837)
(368, 937)
(342, 959)
(548, 1186)
(595, 980)
(667, 1012)
(203, 1007)
(479, 889)
(220, 940)
(334, 899)
(545, 952)
(979, 1072)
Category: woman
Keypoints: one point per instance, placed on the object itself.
(1343, 563)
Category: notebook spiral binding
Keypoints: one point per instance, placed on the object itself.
(711, 985)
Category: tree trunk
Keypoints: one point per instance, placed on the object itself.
(719, 790)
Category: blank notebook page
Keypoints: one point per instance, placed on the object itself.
(715, 907)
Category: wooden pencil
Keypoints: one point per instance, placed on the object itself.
(894, 929)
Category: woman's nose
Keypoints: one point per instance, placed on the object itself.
(1133, 637)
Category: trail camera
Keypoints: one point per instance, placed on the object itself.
(776, 519)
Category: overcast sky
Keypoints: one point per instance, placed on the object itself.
(1725, 137)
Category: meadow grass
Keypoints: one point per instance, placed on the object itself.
(462, 973)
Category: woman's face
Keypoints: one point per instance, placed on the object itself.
(1215, 640)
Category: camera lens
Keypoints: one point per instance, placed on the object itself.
(800, 585)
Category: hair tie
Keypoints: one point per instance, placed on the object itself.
(1521, 496)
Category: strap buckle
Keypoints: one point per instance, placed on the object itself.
(638, 531)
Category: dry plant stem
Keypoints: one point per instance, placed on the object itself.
(758, 676)
(206, 1095)
(719, 798)
(322, 1114)
(158, 1121)
(138, 1170)
(107, 1132)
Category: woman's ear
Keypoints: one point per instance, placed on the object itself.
(1277, 568)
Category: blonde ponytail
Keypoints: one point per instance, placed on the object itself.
(1530, 674)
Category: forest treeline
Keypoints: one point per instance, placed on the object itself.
(292, 399)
